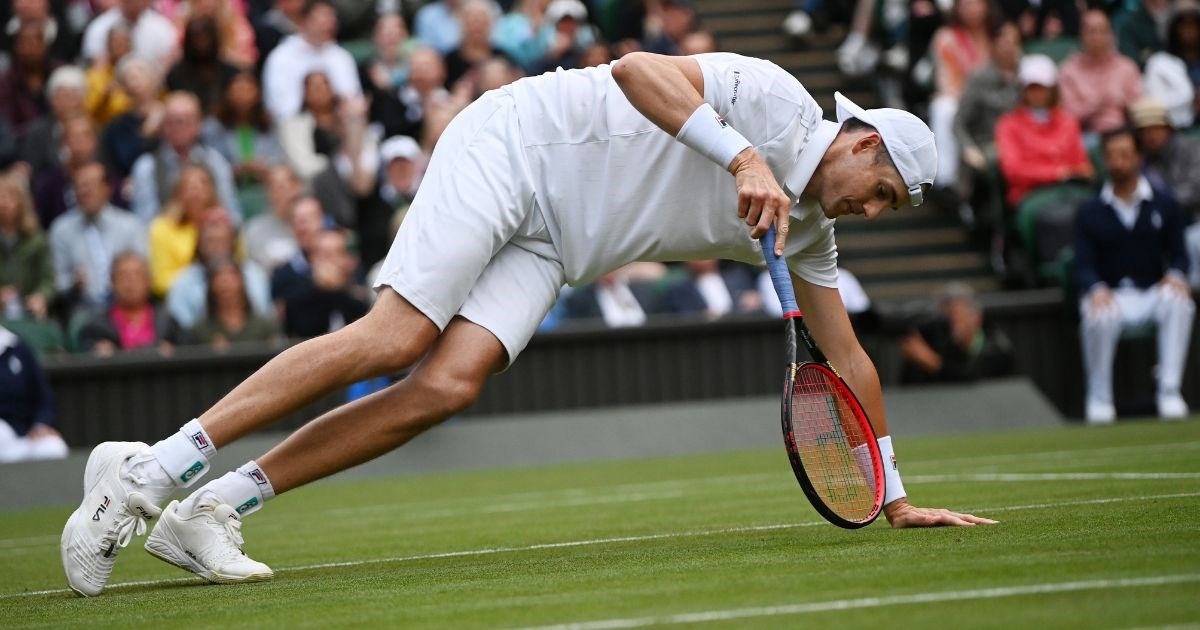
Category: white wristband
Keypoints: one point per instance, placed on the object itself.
(893, 488)
(709, 135)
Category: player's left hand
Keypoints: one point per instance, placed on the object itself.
(900, 513)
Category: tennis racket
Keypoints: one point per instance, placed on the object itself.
(829, 440)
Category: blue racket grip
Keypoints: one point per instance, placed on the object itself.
(780, 276)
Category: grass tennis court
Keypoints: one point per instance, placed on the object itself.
(1099, 529)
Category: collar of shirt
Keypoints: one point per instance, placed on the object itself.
(1127, 211)
(810, 157)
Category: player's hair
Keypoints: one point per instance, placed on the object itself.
(882, 156)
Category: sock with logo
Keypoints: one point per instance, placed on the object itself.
(244, 489)
(184, 455)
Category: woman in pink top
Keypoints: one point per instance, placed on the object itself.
(1038, 142)
(959, 48)
(132, 322)
(1098, 84)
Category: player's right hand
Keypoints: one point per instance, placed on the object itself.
(761, 201)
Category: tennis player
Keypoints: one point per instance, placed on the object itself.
(551, 180)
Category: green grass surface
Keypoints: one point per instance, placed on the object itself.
(729, 534)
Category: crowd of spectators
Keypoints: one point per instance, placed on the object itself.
(213, 172)
(1019, 93)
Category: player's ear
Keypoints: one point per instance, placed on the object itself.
(868, 142)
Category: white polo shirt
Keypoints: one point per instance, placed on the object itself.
(614, 188)
(292, 60)
(153, 35)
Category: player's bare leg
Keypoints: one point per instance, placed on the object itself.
(203, 533)
(125, 482)
(445, 383)
(390, 338)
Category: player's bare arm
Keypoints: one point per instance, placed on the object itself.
(669, 91)
(830, 325)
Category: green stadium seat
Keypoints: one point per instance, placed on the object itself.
(1057, 49)
(44, 336)
(1031, 208)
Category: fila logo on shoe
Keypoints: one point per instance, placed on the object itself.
(100, 510)
(146, 515)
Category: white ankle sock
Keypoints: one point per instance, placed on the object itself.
(184, 455)
(244, 489)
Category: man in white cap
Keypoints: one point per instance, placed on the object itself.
(551, 180)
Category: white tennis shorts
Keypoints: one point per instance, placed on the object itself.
(474, 243)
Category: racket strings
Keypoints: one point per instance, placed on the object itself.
(833, 446)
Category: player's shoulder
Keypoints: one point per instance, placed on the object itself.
(744, 75)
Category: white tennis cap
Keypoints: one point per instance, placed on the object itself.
(907, 138)
(1037, 70)
(399, 147)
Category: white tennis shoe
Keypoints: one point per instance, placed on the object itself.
(207, 543)
(117, 504)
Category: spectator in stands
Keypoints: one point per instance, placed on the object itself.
(1131, 269)
(676, 18)
(173, 233)
(201, 70)
(955, 346)
(216, 240)
(281, 21)
(403, 162)
(268, 237)
(1171, 162)
(313, 49)
(331, 147)
(989, 93)
(436, 24)
(1173, 75)
(385, 72)
(229, 317)
(235, 36)
(492, 74)
(242, 131)
(84, 241)
(611, 298)
(475, 45)
(697, 42)
(61, 41)
(518, 32)
(26, 268)
(713, 291)
(134, 133)
(960, 47)
(327, 298)
(42, 142)
(1139, 31)
(26, 405)
(10, 162)
(106, 98)
(52, 191)
(24, 83)
(132, 321)
(1098, 83)
(1038, 143)
(155, 173)
(425, 89)
(154, 36)
(565, 36)
(306, 221)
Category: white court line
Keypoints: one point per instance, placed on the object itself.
(876, 602)
(603, 541)
(1080, 476)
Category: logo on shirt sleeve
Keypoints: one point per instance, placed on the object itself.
(737, 83)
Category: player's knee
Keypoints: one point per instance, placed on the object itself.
(457, 394)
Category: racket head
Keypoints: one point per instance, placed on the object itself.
(832, 446)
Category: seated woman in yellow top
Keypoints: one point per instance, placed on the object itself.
(174, 232)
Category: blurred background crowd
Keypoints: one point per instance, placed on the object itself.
(214, 172)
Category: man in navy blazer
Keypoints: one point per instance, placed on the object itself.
(1131, 269)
